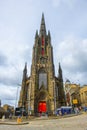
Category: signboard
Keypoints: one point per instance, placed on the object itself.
(75, 101)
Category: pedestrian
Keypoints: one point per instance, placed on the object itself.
(60, 113)
(3, 118)
(10, 116)
(47, 114)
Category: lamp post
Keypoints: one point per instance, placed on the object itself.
(17, 94)
(29, 92)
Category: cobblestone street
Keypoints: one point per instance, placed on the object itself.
(70, 123)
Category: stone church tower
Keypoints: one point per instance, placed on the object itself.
(42, 91)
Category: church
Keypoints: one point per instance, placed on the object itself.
(42, 91)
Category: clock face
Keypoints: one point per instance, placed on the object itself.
(42, 60)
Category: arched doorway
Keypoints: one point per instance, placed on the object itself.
(42, 101)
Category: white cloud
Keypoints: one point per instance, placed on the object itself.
(69, 3)
(8, 94)
(56, 3)
(19, 20)
(72, 54)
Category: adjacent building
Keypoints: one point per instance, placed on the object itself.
(8, 108)
(72, 94)
(83, 96)
(76, 95)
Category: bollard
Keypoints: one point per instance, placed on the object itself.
(19, 120)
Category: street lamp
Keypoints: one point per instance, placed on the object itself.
(17, 94)
(28, 97)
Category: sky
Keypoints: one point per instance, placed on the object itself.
(19, 20)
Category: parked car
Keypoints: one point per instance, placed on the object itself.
(85, 109)
(20, 111)
(64, 110)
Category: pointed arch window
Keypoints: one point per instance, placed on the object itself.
(43, 41)
(42, 78)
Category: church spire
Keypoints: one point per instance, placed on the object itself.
(42, 26)
(60, 73)
(49, 37)
(36, 35)
(25, 72)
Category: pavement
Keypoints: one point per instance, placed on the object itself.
(13, 123)
(70, 123)
(26, 121)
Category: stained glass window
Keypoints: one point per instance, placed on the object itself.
(42, 41)
(43, 80)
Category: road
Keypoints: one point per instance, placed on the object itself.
(70, 123)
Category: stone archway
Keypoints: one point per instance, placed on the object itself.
(42, 101)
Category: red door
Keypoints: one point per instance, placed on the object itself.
(42, 107)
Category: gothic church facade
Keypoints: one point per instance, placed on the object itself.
(42, 91)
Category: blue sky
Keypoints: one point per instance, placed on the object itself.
(19, 20)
